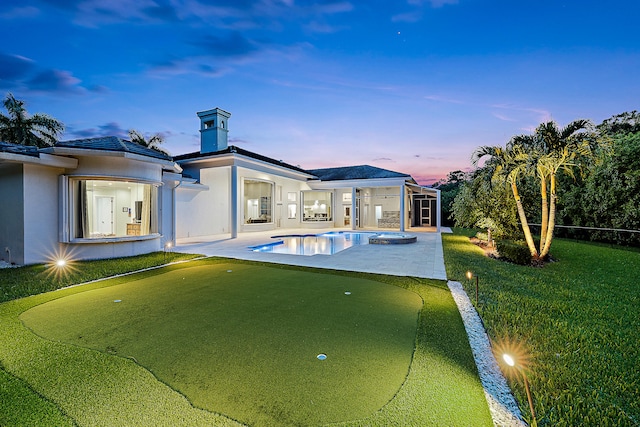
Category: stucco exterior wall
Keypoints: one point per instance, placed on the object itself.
(282, 186)
(11, 215)
(205, 213)
(40, 213)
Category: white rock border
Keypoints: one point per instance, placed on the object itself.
(502, 405)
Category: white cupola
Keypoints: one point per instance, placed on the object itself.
(214, 128)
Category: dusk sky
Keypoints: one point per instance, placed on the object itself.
(412, 86)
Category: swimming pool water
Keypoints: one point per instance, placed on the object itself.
(314, 244)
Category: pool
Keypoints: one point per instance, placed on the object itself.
(329, 243)
(314, 244)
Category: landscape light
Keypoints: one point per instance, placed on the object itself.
(470, 276)
(61, 262)
(511, 361)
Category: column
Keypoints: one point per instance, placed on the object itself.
(402, 213)
(353, 208)
(234, 202)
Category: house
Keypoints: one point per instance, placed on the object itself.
(108, 197)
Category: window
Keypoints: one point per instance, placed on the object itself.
(291, 196)
(107, 208)
(292, 210)
(346, 197)
(258, 204)
(317, 205)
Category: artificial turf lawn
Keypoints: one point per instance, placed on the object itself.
(193, 330)
(95, 388)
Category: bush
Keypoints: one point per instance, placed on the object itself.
(515, 252)
(482, 236)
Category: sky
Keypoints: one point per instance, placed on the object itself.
(413, 86)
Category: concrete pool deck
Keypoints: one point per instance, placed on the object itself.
(423, 259)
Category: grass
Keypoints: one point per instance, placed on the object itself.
(93, 386)
(35, 279)
(578, 320)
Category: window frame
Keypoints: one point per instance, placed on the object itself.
(70, 211)
(261, 203)
(328, 207)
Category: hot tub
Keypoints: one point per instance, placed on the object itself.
(392, 239)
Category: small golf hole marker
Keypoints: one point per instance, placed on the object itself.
(321, 356)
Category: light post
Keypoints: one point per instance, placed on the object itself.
(470, 276)
(509, 360)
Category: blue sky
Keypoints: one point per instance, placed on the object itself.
(413, 85)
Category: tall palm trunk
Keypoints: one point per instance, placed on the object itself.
(545, 211)
(552, 218)
(524, 222)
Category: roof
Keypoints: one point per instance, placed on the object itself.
(25, 150)
(355, 172)
(113, 143)
(237, 150)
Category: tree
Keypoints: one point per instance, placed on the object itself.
(18, 127)
(608, 195)
(481, 204)
(449, 189)
(557, 149)
(508, 166)
(152, 142)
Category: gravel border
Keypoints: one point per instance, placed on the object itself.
(502, 405)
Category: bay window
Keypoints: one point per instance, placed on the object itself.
(103, 208)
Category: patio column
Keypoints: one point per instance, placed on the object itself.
(353, 208)
(438, 211)
(402, 191)
(234, 202)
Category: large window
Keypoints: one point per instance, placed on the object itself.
(258, 203)
(105, 208)
(317, 205)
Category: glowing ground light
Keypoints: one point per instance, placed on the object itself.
(321, 356)
(347, 293)
(509, 360)
(229, 271)
(117, 300)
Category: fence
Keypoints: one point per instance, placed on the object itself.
(618, 236)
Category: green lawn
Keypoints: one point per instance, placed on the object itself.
(578, 318)
(221, 346)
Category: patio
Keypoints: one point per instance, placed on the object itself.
(421, 259)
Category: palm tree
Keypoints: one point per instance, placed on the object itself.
(152, 142)
(17, 127)
(562, 150)
(508, 166)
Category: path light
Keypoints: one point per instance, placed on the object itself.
(167, 248)
(469, 277)
(60, 263)
(512, 361)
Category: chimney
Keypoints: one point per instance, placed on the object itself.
(213, 130)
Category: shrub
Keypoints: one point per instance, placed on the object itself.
(515, 252)
(482, 236)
